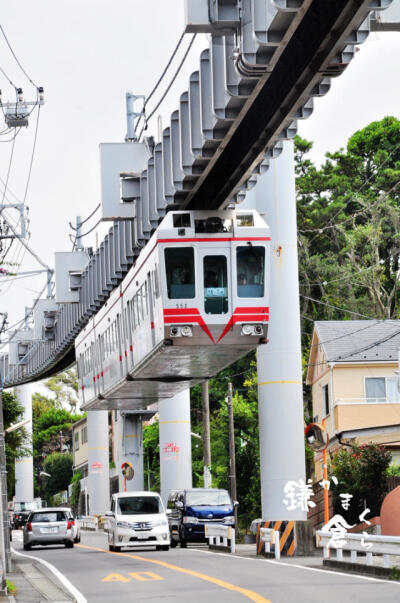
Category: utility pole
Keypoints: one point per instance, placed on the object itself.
(4, 535)
(232, 459)
(206, 434)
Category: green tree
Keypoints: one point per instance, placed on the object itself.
(16, 443)
(59, 467)
(64, 386)
(361, 472)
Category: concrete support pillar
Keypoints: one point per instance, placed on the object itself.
(175, 444)
(280, 398)
(128, 435)
(98, 462)
(24, 465)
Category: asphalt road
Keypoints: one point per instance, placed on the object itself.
(195, 575)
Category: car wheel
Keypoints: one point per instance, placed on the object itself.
(111, 548)
(183, 543)
(77, 539)
(69, 545)
(27, 547)
(165, 547)
(173, 544)
(117, 549)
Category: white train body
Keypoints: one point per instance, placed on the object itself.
(195, 301)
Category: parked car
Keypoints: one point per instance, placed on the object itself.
(21, 512)
(189, 510)
(137, 519)
(48, 526)
(75, 524)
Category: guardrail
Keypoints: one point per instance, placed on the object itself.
(270, 536)
(368, 544)
(219, 536)
(88, 523)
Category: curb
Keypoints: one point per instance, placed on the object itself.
(359, 568)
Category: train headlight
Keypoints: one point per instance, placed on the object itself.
(187, 331)
(247, 330)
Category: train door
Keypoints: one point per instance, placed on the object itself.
(151, 300)
(216, 279)
(120, 351)
(99, 364)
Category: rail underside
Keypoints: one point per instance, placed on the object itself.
(171, 369)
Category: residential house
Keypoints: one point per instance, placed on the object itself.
(353, 371)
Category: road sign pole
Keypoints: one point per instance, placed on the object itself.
(4, 535)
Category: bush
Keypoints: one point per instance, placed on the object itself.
(362, 472)
(59, 466)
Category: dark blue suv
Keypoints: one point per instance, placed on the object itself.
(189, 510)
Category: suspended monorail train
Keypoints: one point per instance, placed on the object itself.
(195, 301)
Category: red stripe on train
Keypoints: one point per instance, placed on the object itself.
(213, 240)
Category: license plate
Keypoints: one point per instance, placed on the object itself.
(142, 537)
(48, 530)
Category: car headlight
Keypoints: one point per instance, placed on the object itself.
(161, 522)
(229, 521)
(188, 519)
(124, 524)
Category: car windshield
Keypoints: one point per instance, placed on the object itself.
(139, 505)
(48, 517)
(208, 498)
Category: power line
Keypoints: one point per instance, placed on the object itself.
(86, 219)
(161, 77)
(8, 79)
(317, 301)
(8, 172)
(89, 231)
(147, 119)
(33, 154)
(15, 57)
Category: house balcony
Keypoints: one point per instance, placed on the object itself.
(360, 413)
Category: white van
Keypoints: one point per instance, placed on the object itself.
(137, 519)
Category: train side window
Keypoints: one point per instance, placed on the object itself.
(215, 284)
(179, 266)
(250, 267)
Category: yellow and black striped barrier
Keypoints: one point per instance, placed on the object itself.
(287, 538)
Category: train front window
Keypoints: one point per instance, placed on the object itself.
(250, 271)
(179, 266)
(215, 284)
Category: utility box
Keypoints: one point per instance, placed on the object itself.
(121, 165)
(69, 266)
(44, 319)
(218, 17)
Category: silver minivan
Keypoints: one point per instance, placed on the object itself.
(48, 526)
(137, 519)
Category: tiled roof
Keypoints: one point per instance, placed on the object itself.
(359, 340)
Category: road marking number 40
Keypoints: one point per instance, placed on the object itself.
(141, 576)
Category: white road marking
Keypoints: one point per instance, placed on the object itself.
(304, 567)
(78, 597)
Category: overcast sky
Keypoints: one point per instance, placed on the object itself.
(86, 54)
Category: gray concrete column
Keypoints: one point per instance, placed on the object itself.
(175, 444)
(98, 462)
(24, 465)
(280, 396)
(128, 434)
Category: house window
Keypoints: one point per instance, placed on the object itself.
(84, 435)
(381, 389)
(325, 392)
(76, 440)
(375, 389)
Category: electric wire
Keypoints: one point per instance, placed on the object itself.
(88, 232)
(15, 57)
(8, 175)
(147, 119)
(317, 301)
(161, 77)
(86, 219)
(8, 79)
(32, 155)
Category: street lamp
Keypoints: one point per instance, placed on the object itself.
(17, 425)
